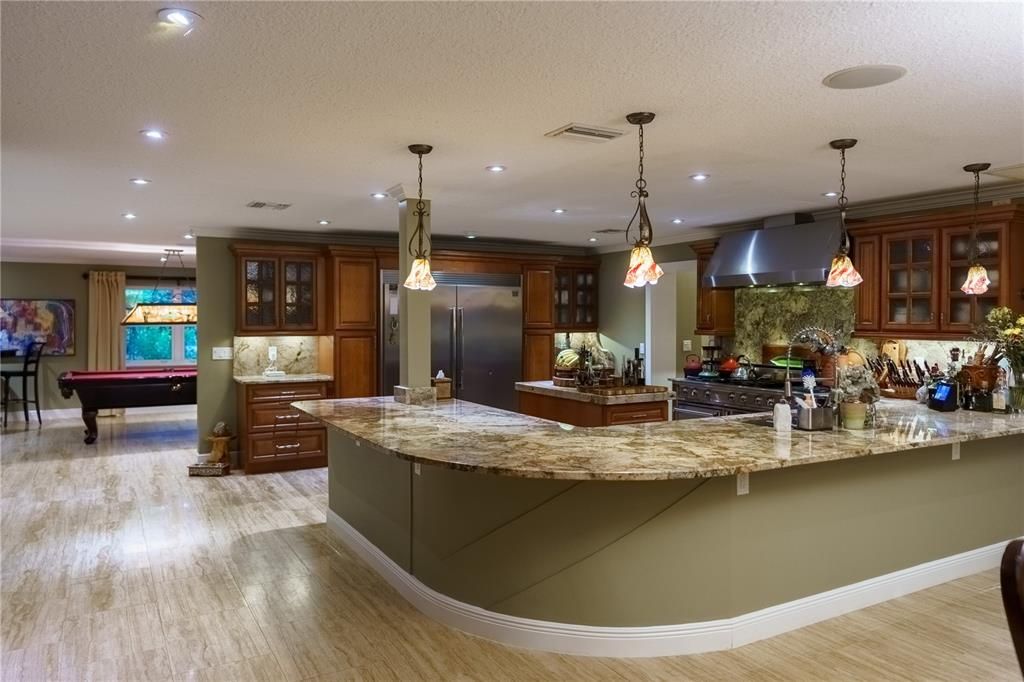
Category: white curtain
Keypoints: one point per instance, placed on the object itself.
(106, 310)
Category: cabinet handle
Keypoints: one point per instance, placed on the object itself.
(288, 446)
(286, 416)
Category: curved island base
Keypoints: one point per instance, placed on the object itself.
(683, 565)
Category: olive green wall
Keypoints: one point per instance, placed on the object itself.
(215, 273)
(621, 309)
(641, 553)
(60, 280)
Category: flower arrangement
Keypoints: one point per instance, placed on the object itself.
(857, 385)
(1005, 329)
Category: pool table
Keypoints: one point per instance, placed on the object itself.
(105, 390)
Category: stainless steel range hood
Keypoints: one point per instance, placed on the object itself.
(791, 249)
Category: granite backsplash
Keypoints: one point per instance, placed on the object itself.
(295, 354)
(772, 316)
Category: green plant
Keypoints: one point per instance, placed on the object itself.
(1005, 329)
(857, 385)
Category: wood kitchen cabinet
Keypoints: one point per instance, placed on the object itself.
(716, 308)
(575, 299)
(280, 290)
(538, 296)
(355, 364)
(355, 288)
(273, 435)
(913, 266)
(538, 355)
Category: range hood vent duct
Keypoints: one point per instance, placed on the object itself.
(790, 249)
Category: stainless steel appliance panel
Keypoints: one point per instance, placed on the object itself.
(489, 324)
(443, 333)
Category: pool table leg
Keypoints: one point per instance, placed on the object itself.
(89, 417)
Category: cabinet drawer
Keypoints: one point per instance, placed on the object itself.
(301, 443)
(286, 392)
(275, 416)
(636, 414)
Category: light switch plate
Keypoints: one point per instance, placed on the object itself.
(742, 483)
(223, 352)
(687, 344)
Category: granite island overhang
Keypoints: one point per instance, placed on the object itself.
(636, 540)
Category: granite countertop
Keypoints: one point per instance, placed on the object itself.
(571, 393)
(471, 437)
(286, 379)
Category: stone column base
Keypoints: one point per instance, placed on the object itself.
(416, 395)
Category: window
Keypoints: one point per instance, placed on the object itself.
(171, 344)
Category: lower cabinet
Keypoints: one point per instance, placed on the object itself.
(274, 435)
(355, 364)
(579, 413)
(538, 355)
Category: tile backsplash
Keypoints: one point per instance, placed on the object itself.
(295, 354)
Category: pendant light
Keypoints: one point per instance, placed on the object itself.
(977, 276)
(642, 268)
(419, 274)
(842, 273)
(177, 312)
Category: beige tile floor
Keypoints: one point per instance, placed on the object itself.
(116, 565)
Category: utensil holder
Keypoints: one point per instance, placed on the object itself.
(814, 418)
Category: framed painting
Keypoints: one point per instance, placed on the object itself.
(23, 320)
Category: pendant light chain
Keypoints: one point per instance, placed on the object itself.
(973, 248)
(420, 212)
(641, 184)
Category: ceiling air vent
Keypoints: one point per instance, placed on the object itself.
(268, 204)
(582, 131)
(610, 230)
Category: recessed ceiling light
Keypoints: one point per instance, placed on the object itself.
(592, 239)
(323, 221)
(700, 177)
(154, 134)
(558, 210)
(129, 216)
(189, 235)
(830, 194)
(677, 221)
(379, 195)
(865, 76)
(496, 169)
(176, 16)
(140, 181)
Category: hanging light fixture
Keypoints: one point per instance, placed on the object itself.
(419, 274)
(977, 276)
(642, 268)
(842, 273)
(177, 312)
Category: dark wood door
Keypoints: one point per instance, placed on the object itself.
(299, 293)
(866, 258)
(909, 284)
(355, 293)
(538, 352)
(538, 297)
(705, 303)
(355, 365)
(259, 291)
(962, 312)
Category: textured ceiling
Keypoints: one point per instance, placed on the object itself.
(313, 103)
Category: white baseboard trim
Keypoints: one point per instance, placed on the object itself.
(662, 640)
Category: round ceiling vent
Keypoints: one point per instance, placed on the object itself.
(866, 76)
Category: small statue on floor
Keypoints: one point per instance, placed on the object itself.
(220, 439)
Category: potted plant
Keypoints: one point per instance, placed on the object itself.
(1005, 329)
(857, 389)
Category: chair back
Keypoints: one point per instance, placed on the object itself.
(33, 353)
(1011, 580)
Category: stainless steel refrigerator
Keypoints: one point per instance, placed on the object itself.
(476, 324)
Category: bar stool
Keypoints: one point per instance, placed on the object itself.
(1011, 581)
(29, 370)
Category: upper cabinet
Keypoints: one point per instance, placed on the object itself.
(355, 288)
(538, 296)
(913, 267)
(575, 298)
(716, 308)
(280, 290)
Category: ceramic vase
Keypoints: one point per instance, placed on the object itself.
(853, 414)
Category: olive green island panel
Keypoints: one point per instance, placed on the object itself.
(505, 515)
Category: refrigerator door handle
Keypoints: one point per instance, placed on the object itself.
(453, 335)
(461, 346)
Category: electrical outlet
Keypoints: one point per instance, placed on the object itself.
(687, 344)
(223, 352)
(742, 483)
(416, 468)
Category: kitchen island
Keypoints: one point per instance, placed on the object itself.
(643, 539)
(593, 407)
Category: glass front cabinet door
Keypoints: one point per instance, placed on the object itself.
(298, 283)
(259, 280)
(910, 300)
(962, 312)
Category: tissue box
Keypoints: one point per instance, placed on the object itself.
(444, 388)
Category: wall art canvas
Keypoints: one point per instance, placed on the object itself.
(51, 320)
